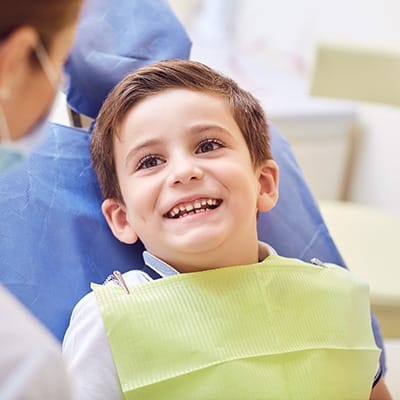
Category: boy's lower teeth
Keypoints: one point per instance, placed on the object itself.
(195, 211)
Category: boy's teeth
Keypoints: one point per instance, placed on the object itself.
(197, 206)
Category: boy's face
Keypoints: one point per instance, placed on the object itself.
(190, 190)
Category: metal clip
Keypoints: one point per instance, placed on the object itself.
(117, 278)
(317, 261)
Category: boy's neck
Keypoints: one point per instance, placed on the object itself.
(165, 268)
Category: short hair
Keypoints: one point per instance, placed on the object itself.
(158, 77)
(48, 17)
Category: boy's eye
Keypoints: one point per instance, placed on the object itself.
(209, 145)
(149, 161)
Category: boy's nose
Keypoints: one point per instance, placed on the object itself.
(184, 171)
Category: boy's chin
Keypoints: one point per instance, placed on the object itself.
(198, 245)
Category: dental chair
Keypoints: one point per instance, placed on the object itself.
(54, 240)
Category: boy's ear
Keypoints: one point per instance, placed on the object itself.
(115, 215)
(268, 178)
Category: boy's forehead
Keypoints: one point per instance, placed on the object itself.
(194, 107)
(152, 99)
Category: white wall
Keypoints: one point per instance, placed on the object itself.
(276, 42)
(376, 179)
(376, 175)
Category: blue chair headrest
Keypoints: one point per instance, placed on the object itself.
(115, 38)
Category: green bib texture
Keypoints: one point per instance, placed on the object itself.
(279, 329)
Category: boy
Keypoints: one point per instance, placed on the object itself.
(183, 159)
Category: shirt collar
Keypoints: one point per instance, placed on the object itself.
(163, 269)
(159, 266)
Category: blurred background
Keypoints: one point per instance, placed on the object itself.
(347, 148)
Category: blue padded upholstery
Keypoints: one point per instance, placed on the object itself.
(117, 37)
(54, 240)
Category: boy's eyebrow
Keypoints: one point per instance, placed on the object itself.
(144, 144)
(206, 127)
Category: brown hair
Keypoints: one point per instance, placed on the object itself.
(159, 77)
(48, 17)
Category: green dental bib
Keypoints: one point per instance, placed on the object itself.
(280, 329)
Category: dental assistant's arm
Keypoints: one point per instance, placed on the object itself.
(31, 363)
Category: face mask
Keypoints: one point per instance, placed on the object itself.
(9, 158)
(13, 153)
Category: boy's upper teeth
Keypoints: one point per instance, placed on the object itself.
(192, 207)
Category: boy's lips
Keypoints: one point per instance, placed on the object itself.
(193, 207)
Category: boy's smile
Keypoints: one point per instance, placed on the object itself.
(190, 191)
(197, 206)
